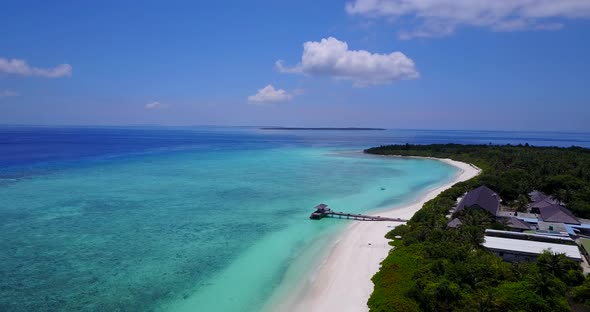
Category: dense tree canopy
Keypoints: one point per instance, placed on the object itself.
(517, 170)
(433, 268)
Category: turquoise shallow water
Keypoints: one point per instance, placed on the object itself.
(190, 230)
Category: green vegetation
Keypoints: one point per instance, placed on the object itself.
(517, 170)
(436, 269)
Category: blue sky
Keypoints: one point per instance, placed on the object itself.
(511, 65)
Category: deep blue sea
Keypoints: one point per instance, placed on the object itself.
(191, 219)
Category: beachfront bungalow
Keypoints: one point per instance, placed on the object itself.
(521, 247)
(481, 198)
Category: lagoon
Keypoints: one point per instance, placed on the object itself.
(196, 219)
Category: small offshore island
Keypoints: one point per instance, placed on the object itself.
(442, 259)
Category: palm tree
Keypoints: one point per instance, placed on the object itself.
(561, 195)
(522, 203)
(547, 285)
(476, 217)
(484, 301)
(554, 263)
(520, 269)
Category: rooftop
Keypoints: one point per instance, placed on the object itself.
(483, 197)
(542, 204)
(575, 229)
(537, 196)
(531, 236)
(516, 223)
(526, 216)
(554, 227)
(321, 207)
(530, 247)
(559, 214)
(455, 223)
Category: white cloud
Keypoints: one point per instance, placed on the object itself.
(269, 94)
(20, 67)
(435, 18)
(7, 93)
(155, 105)
(331, 57)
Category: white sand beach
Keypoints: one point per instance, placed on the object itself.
(343, 281)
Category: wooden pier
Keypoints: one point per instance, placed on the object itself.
(322, 211)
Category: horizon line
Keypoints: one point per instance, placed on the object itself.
(259, 126)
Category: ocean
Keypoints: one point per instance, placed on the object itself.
(193, 218)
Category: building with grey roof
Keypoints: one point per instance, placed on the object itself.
(538, 196)
(558, 214)
(518, 225)
(517, 247)
(481, 198)
(537, 206)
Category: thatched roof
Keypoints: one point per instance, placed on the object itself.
(321, 206)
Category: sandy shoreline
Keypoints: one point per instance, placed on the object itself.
(343, 281)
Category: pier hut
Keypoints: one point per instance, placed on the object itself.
(321, 211)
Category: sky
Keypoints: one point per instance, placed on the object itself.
(417, 64)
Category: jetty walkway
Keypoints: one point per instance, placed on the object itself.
(322, 211)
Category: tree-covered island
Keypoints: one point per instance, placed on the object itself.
(435, 268)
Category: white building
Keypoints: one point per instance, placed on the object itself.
(525, 247)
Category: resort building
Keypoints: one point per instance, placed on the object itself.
(558, 214)
(540, 200)
(519, 247)
(548, 226)
(481, 198)
(537, 206)
(545, 216)
(537, 196)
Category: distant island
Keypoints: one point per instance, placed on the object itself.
(301, 128)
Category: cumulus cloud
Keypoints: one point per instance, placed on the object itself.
(435, 18)
(155, 105)
(269, 94)
(20, 67)
(7, 93)
(331, 57)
